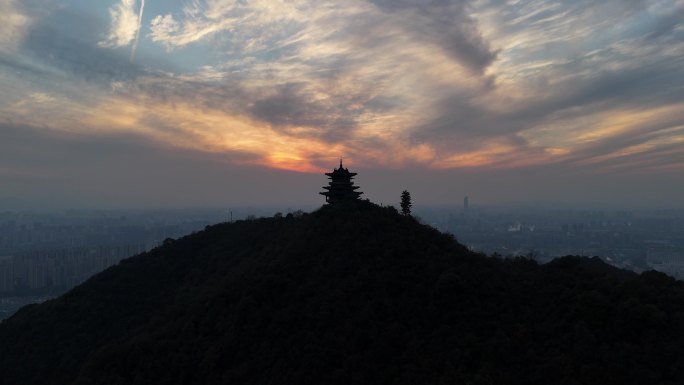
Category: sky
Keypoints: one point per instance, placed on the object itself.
(197, 103)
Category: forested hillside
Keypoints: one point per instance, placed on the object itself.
(353, 294)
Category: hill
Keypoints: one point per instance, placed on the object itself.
(348, 295)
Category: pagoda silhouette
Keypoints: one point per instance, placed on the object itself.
(340, 188)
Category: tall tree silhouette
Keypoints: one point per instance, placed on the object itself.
(405, 202)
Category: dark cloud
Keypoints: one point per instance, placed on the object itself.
(666, 25)
(282, 107)
(74, 50)
(648, 85)
(446, 23)
(286, 107)
(25, 68)
(462, 119)
(290, 105)
(639, 139)
(645, 161)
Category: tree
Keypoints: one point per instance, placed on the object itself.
(405, 203)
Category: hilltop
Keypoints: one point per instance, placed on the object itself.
(349, 294)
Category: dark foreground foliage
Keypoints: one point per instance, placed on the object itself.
(348, 295)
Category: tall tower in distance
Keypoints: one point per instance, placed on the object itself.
(465, 205)
(340, 188)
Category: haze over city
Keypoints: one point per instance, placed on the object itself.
(134, 104)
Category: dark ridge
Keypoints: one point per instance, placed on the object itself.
(350, 294)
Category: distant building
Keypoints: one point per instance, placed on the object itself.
(341, 187)
(465, 204)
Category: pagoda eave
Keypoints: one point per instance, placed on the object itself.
(341, 187)
(342, 174)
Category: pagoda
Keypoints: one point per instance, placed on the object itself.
(340, 188)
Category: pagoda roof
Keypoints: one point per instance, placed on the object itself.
(351, 187)
(341, 171)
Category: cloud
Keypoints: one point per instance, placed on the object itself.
(164, 29)
(507, 90)
(125, 24)
(616, 138)
(668, 23)
(14, 24)
(247, 24)
(270, 25)
(446, 23)
(66, 57)
(435, 84)
(352, 74)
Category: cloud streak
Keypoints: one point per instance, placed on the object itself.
(137, 32)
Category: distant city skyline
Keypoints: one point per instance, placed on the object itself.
(213, 103)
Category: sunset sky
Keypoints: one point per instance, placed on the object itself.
(165, 103)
